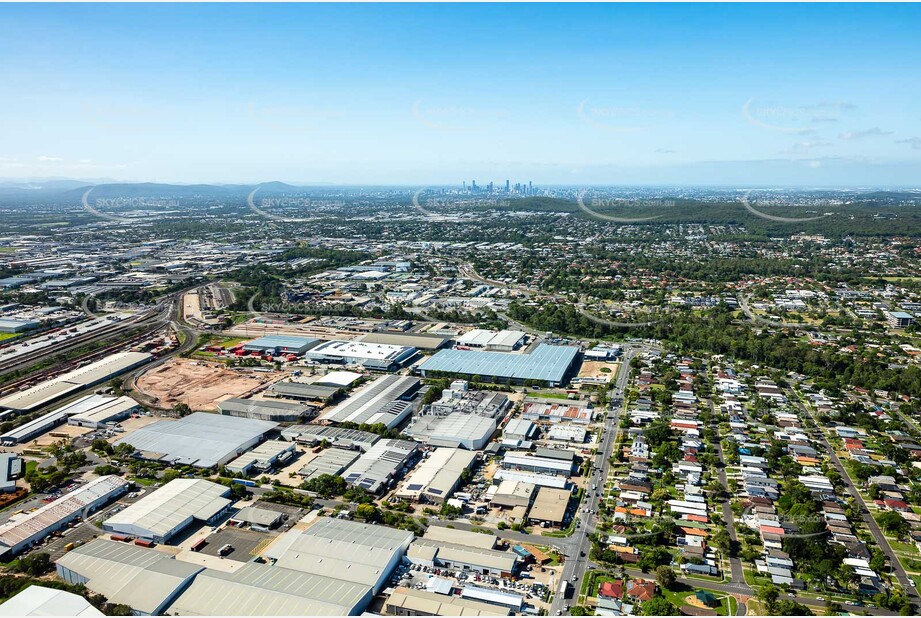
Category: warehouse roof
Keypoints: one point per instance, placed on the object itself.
(547, 363)
(41, 601)
(443, 534)
(263, 456)
(346, 438)
(300, 390)
(361, 350)
(550, 504)
(380, 463)
(200, 439)
(126, 574)
(474, 556)
(75, 380)
(99, 408)
(374, 402)
(353, 551)
(422, 603)
(262, 590)
(171, 506)
(338, 378)
(412, 340)
(453, 430)
(22, 528)
(280, 341)
(438, 474)
(330, 461)
(264, 409)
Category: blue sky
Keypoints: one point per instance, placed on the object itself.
(813, 95)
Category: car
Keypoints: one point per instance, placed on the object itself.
(790, 594)
(820, 598)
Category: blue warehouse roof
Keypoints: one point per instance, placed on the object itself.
(547, 363)
(280, 341)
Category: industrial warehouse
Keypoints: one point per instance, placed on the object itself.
(170, 509)
(376, 356)
(548, 365)
(73, 381)
(385, 400)
(200, 439)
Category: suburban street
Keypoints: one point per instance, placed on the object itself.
(897, 570)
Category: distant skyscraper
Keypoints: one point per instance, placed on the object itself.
(506, 185)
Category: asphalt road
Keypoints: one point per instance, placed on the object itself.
(578, 547)
(878, 535)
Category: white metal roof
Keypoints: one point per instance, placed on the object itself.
(40, 601)
(141, 578)
(199, 439)
(262, 590)
(167, 509)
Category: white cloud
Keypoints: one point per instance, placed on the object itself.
(914, 142)
(47, 159)
(874, 132)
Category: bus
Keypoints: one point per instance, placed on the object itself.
(567, 590)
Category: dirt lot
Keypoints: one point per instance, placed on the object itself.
(199, 384)
(46, 439)
(592, 369)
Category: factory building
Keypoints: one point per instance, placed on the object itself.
(338, 437)
(79, 379)
(411, 602)
(200, 439)
(420, 341)
(9, 326)
(11, 468)
(263, 458)
(492, 341)
(374, 356)
(553, 412)
(364, 554)
(275, 345)
(20, 532)
(143, 579)
(300, 391)
(435, 479)
(263, 590)
(458, 398)
(468, 431)
(540, 465)
(446, 550)
(376, 469)
(38, 600)
(166, 512)
(96, 411)
(385, 400)
(550, 506)
(548, 365)
(332, 461)
(266, 409)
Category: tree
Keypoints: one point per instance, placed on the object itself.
(659, 606)
(367, 512)
(35, 564)
(768, 595)
(665, 576)
(893, 523)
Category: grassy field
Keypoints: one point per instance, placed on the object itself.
(677, 597)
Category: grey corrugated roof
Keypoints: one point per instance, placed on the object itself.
(142, 578)
(262, 590)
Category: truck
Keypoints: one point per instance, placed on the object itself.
(226, 549)
(144, 543)
(247, 482)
